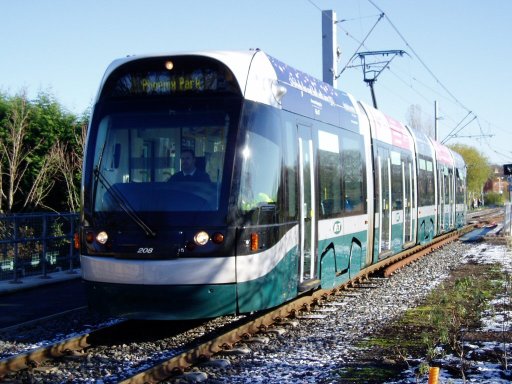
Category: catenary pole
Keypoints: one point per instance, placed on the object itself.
(329, 48)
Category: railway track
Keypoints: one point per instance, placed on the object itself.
(486, 215)
(279, 317)
(227, 338)
(61, 348)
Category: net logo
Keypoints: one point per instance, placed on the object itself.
(336, 227)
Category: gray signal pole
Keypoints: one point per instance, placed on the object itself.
(329, 48)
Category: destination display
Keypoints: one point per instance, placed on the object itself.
(171, 80)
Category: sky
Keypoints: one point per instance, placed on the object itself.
(457, 52)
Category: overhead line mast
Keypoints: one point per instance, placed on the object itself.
(330, 51)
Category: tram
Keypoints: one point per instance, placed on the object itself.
(229, 182)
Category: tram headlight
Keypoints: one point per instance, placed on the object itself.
(102, 237)
(201, 238)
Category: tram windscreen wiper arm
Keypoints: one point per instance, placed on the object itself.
(125, 206)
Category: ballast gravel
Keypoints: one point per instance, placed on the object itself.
(315, 350)
(312, 351)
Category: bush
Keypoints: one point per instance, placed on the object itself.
(494, 198)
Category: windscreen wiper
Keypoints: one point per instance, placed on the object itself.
(125, 206)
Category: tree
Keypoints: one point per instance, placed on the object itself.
(13, 146)
(43, 183)
(51, 121)
(32, 168)
(415, 120)
(4, 107)
(478, 167)
(68, 158)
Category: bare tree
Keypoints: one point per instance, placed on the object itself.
(69, 165)
(44, 181)
(415, 120)
(2, 195)
(14, 147)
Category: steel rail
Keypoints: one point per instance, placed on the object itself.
(34, 357)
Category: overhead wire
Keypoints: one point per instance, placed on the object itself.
(427, 100)
(451, 98)
(450, 134)
(441, 84)
(460, 129)
(410, 86)
(420, 59)
(426, 67)
(360, 45)
(314, 5)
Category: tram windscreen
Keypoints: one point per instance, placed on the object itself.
(160, 161)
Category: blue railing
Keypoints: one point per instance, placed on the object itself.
(37, 244)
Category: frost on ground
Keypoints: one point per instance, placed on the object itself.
(489, 359)
(323, 351)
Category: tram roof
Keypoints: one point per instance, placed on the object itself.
(423, 144)
(388, 130)
(443, 154)
(265, 79)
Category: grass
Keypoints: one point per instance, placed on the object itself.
(451, 310)
(367, 374)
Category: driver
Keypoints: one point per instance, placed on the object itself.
(189, 172)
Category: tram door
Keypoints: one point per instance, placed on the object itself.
(451, 199)
(408, 193)
(384, 201)
(443, 198)
(307, 226)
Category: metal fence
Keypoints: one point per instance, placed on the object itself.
(37, 244)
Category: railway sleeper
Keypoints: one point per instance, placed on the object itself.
(193, 377)
(241, 349)
(216, 363)
(278, 331)
(257, 340)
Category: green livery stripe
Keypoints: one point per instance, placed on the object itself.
(167, 302)
(274, 288)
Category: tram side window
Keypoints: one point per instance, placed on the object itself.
(353, 173)
(396, 180)
(425, 182)
(329, 169)
(422, 182)
(289, 185)
(460, 192)
(261, 166)
(383, 194)
(448, 177)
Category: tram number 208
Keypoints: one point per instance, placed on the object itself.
(145, 250)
